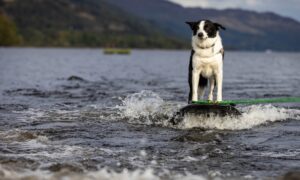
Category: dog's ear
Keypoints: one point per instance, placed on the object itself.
(218, 26)
(192, 24)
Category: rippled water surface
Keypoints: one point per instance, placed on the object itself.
(76, 113)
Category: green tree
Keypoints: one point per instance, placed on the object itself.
(8, 32)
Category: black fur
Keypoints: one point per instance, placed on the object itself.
(190, 75)
(212, 28)
(194, 26)
(202, 81)
(219, 26)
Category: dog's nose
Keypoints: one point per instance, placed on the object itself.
(200, 35)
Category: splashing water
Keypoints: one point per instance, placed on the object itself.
(148, 108)
(143, 104)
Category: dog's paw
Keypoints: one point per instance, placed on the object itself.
(217, 102)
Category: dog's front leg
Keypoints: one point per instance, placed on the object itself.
(195, 84)
(219, 79)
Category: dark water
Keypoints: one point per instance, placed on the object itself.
(76, 113)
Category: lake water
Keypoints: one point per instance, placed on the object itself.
(77, 113)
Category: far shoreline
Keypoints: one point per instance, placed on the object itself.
(267, 51)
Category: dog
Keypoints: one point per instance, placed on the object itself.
(206, 60)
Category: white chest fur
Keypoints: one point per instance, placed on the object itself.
(208, 62)
(207, 66)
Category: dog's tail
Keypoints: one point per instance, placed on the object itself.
(203, 81)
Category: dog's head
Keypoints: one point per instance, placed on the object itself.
(205, 29)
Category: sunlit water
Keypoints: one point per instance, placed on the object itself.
(76, 113)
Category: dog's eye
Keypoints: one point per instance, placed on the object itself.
(205, 26)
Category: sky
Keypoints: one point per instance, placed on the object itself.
(288, 8)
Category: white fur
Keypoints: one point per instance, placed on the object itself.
(201, 29)
(207, 61)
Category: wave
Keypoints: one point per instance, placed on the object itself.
(147, 107)
(102, 174)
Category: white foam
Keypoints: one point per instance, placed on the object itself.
(190, 159)
(289, 153)
(103, 174)
(33, 144)
(143, 104)
(124, 175)
(143, 153)
(252, 116)
(282, 154)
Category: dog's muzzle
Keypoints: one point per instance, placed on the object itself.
(200, 35)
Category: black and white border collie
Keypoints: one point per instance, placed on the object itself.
(206, 61)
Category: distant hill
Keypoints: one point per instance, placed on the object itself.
(137, 24)
(246, 30)
(82, 23)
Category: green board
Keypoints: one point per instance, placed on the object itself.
(251, 101)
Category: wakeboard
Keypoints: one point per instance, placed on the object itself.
(205, 110)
